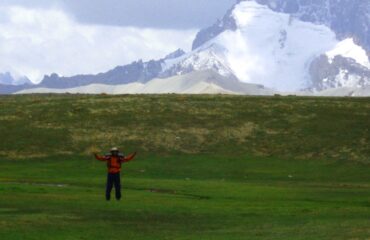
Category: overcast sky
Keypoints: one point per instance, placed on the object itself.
(176, 14)
(71, 37)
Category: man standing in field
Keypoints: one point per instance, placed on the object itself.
(114, 161)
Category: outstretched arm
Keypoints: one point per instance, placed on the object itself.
(129, 157)
(100, 158)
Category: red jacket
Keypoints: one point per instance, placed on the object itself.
(114, 162)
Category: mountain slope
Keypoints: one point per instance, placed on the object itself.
(138, 71)
(346, 91)
(10, 89)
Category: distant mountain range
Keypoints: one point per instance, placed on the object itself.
(284, 45)
(7, 79)
(195, 82)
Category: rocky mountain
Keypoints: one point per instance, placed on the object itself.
(9, 85)
(204, 35)
(137, 71)
(337, 73)
(7, 79)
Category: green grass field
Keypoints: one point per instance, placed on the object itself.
(209, 167)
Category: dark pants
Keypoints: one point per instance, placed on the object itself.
(113, 179)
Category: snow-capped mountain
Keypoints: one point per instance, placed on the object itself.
(208, 57)
(294, 44)
(347, 18)
(347, 65)
(287, 45)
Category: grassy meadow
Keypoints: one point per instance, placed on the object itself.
(208, 167)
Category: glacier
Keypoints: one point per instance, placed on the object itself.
(271, 48)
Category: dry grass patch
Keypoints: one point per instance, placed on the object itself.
(21, 155)
(9, 118)
(239, 133)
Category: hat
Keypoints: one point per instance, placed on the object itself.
(114, 149)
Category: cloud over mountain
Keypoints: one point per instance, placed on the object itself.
(35, 41)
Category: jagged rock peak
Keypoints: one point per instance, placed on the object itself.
(178, 53)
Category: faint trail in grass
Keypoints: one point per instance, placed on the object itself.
(152, 190)
(59, 185)
(172, 192)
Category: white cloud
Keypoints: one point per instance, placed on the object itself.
(34, 42)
